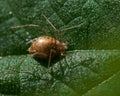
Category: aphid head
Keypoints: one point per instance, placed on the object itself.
(65, 46)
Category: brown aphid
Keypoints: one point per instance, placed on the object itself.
(46, 47)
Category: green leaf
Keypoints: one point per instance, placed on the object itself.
(109, 87)
(92, 70)
(79, 73)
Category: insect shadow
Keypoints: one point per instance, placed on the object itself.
(45, 62)
(46, 49)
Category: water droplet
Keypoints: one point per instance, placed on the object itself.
(59, 1)
(29, 37)
(29, 41)
(27, 33)
(10, 12)
(26, 39)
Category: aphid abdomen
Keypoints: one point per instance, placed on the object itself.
(43, 46)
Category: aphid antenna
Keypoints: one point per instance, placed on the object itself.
(49, 22)
(55, 29)
(65, 29)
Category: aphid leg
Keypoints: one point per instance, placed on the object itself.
(39, 54)
(49, 59)
(27, 25)
(31, 25)
(72, 27)
(61, 37)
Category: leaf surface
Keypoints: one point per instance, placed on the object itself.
(91, 66)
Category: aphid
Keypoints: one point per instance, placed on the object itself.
(46, 47)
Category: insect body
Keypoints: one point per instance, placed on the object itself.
(46, 47)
